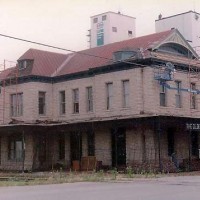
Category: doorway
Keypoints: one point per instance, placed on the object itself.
(195, 143)
(118, 147)
(76, 146)
(170, 139)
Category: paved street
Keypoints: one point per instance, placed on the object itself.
(169, 188)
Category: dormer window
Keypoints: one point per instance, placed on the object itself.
(123, 55)
(23, 64)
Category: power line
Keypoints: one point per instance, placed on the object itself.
(69, 50)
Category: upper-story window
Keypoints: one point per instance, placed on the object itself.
(178, 94)
(193, 103)
(109, 95)
(130, 33)
(89, 93)
(42, 103)
(75, 100)
(95, 20)
(23, 64)
(125, 93)
(104, 18)
(16, 104)
(114, 29)
(162, 95)
(62, 102)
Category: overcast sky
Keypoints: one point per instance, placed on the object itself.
(64, 23)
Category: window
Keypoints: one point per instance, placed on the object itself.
(178, 94)
(104, 18)
(95, 20)
(17, 104)
(114, 29)
(15, 149)
(61, 144)
(22, 64)
(125, 91)
(109, 95)
(193, 96)
(41, 102)
(89, 99)
(62, 102)
(162, 95)
(130, 33)
(75, 101)
(91, 143)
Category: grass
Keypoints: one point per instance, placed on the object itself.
(57, 177)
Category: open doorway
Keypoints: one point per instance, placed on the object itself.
(195, 143)
(76, 146)
(118, 147)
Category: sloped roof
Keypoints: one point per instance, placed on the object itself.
(55, 64)
(45, 63)
(6, 72)
(82, 62)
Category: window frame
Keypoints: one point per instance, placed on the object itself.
(104, 17)
(125, 95)
(13, 152)
(130, 33)
(109, 96)
(178, 96)
(42, 105)
(193, 101)
(75, 99)
(163, 94)
(89, 99)
(16, 104)
(62, 101)
(114, 29)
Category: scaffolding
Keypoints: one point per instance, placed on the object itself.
(9, 76)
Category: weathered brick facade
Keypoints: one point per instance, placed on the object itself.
(145, 142)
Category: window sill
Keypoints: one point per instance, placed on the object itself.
(90, 112)
(62, 115)
(75, 113)
(110, 110)
(126, 108)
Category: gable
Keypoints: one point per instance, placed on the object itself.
(176, 44)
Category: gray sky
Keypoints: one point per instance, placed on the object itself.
(64, 23)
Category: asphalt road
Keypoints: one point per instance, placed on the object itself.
(170, 188)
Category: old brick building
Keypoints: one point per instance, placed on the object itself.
(128, 104)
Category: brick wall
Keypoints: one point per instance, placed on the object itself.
(144, 97)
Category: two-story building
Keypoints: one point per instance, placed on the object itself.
(131, 103)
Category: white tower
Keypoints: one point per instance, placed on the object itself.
(110, 27)
(187, 23)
